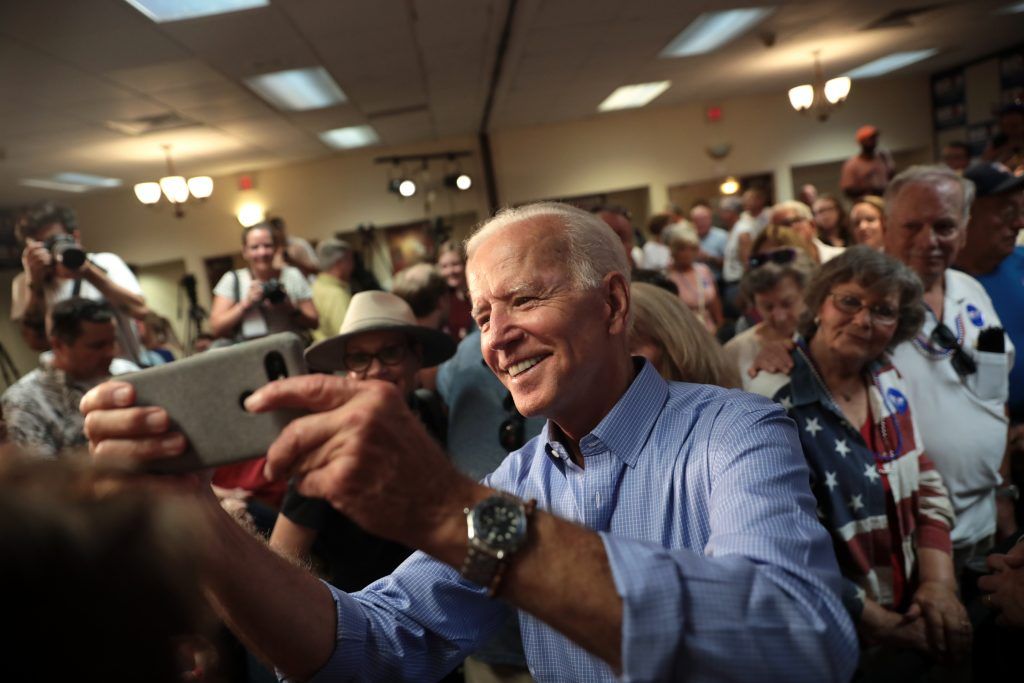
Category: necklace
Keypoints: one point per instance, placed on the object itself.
(890, 453)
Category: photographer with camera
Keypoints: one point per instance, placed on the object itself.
(57, 267)
(261, 299)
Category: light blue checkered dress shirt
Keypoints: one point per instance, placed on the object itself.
(701, 497)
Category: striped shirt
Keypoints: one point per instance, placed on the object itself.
(700, 496)
(880, 497)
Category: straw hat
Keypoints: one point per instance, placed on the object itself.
(376, 311)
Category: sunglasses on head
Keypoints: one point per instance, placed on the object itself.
(777, 256)
(944, 338)
(511, 432)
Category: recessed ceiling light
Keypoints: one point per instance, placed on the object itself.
(71, 182)
(175, 10)
(87, 179)
(44, 184)
(298, 89)
(350, 137)
(884, 65)
(711, 30)
(637, 95)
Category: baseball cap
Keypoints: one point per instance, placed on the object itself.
(990, 179)
(865, 132)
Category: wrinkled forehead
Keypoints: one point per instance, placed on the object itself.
(922, 198)
(516, 260)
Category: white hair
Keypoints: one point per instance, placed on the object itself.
(682, 233)
(799, 208)
(933, 176)
(593, 248)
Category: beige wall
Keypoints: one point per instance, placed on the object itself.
(649, 148)
(661, 147)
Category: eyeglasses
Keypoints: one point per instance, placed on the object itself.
(881, 314)
(512, 432)
(944, 338)
(361, 361)
(778, 256)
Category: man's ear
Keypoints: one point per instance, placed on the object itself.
(616, 291)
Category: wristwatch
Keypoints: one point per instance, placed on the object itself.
(1008, 491)
(497, 528)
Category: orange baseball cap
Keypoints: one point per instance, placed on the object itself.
(865, 132)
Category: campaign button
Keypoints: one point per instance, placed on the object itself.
(896, 400)
(974, 315)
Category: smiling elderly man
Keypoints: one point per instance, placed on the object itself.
(956, 368)
(669, 532)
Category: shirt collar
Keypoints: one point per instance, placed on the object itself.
(805, 387)
(624, 430)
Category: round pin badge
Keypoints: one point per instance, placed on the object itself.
(975, 316)
(896, 401)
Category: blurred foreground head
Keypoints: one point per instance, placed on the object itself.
(97, 584)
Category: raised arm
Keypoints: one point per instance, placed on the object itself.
(279, 610)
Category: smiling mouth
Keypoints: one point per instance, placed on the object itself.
(522, 366)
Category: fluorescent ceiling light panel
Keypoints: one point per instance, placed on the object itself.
(87, 179)
(44, 184)
(712, 30)
(1011, 9)
(350, 137)
(884, 65)
(162, 11)
(298, 89)
(630, 96)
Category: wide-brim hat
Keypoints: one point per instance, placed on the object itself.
(379, 311)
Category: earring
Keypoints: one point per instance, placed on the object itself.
(817, 320)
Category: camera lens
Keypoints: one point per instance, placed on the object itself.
(275, 366)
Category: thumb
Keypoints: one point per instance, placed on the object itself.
(912, 614)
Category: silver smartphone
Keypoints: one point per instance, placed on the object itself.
(204, 395)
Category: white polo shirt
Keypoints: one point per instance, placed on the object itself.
(962, 420)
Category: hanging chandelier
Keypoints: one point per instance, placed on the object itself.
(176, 188)
(820, 97)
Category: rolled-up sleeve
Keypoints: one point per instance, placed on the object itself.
(415, 625)
(762, 602)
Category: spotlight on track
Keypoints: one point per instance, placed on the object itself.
(402, 186)
(458, 181)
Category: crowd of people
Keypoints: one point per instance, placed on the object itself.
(761, 440)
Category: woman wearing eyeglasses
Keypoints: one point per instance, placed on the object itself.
(774, 285)
(878, 493)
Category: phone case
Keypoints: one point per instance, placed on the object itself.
(203, 395)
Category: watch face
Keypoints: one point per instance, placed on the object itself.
(499, 523)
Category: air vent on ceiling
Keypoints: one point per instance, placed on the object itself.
(149, 124)
(902, 17)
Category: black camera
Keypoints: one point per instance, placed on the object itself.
(273, 291)
(65, 250)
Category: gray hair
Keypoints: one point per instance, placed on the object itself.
(734, 204)
(931, 175)
(330, 251)
(799, 208)
(768, 276)
(877, 273)
(593, 248)
(682, 234)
